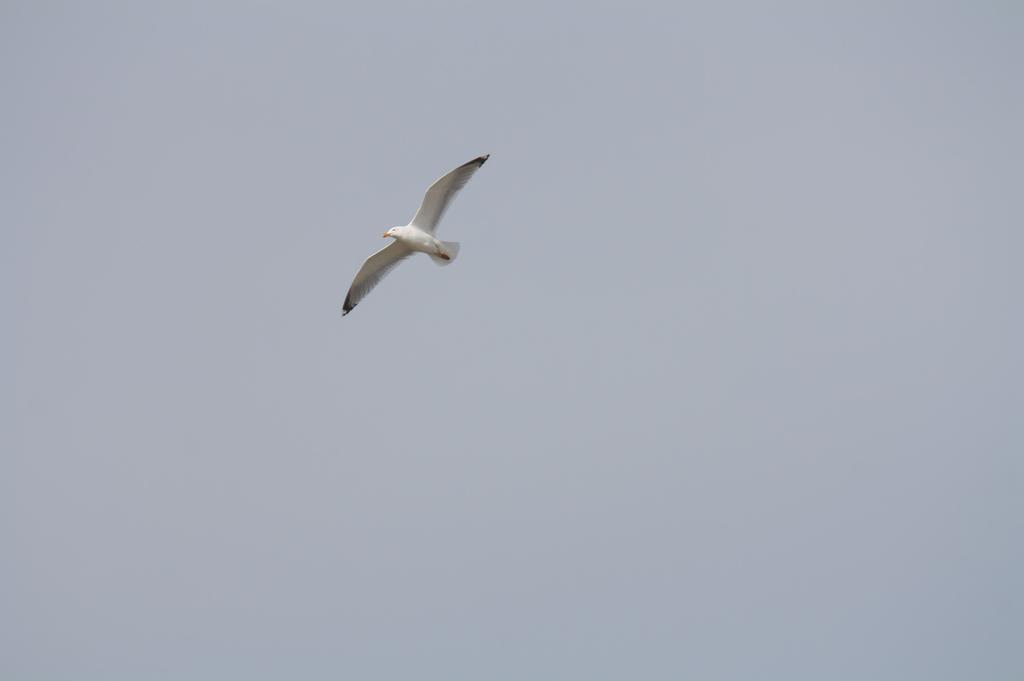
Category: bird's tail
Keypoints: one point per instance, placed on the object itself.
(449, 250)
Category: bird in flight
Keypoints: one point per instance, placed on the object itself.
(418, 235)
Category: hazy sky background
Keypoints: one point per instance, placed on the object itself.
(725, 384)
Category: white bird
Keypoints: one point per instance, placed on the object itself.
(418, 235)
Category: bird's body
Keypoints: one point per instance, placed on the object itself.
(415, 239)
(417, 236)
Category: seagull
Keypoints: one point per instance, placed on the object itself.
(418, 235)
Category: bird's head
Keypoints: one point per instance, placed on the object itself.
(393, 233)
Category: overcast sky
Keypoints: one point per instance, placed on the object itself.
(725, 383)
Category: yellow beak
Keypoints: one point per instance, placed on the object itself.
(386, 235)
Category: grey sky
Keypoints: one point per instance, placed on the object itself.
(725, 384)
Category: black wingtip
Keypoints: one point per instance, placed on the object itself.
(346, 308)
(482, 159)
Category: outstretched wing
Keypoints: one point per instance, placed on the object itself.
(442, 192)
(372, 271)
